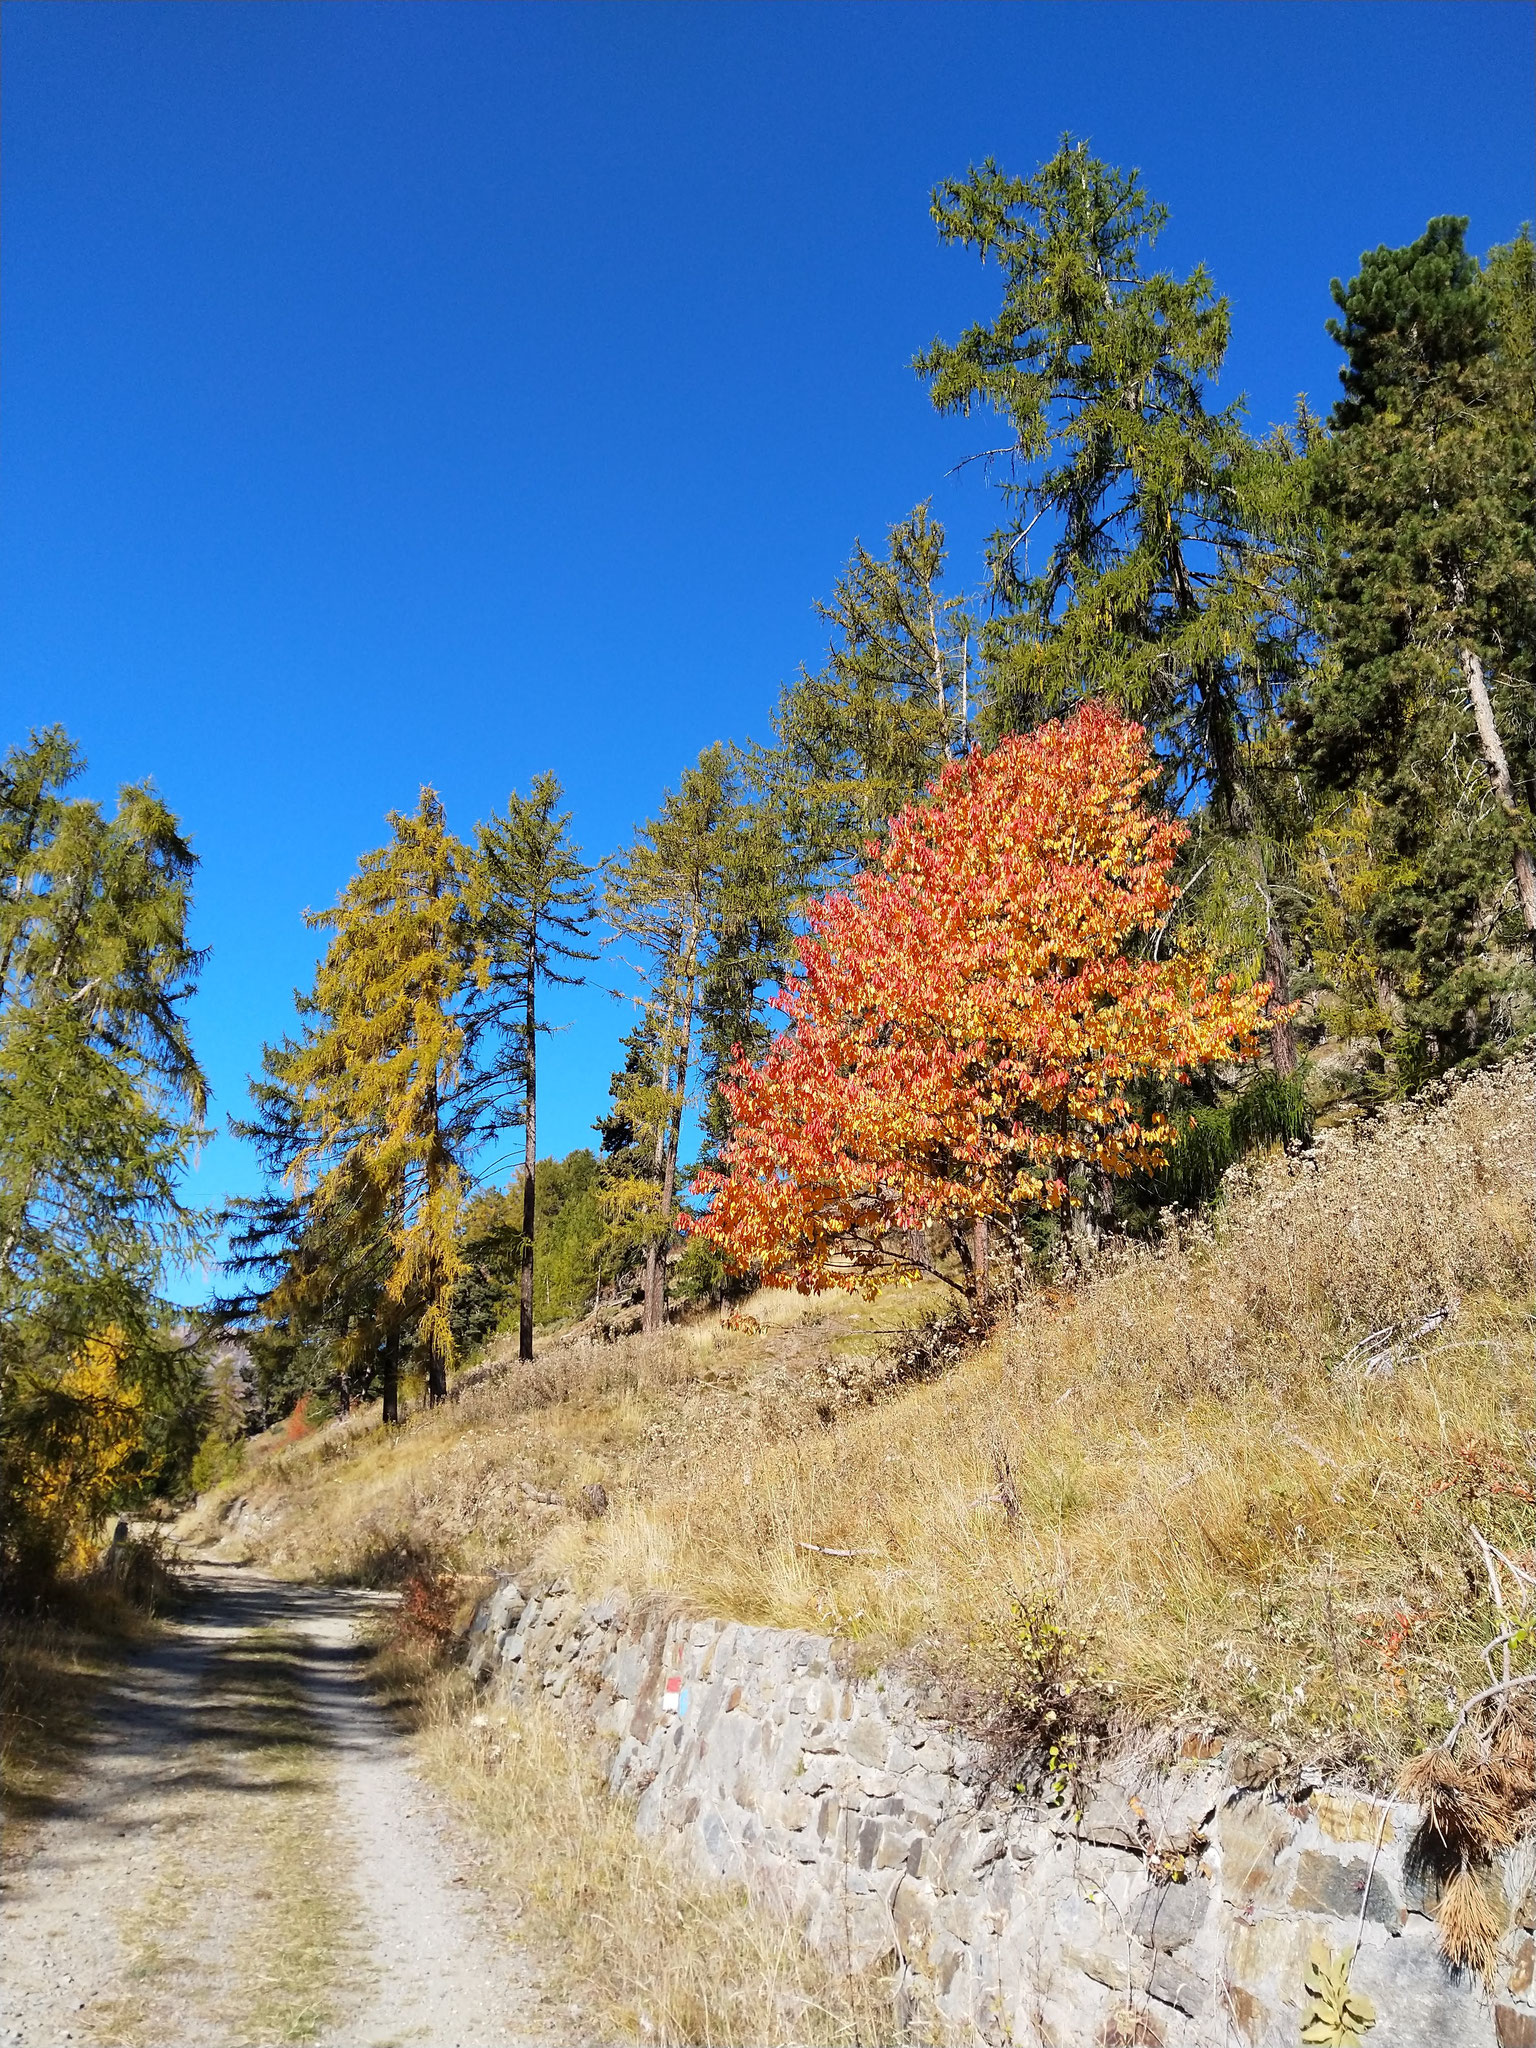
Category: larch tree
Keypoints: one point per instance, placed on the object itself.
(101, 1108)
(314, 1263)
(386, 1075)
(976, 1021)
(533, 905)
(698, 900)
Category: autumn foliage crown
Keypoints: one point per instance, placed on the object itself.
(973, 1015)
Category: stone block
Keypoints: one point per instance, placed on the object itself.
(1512, 2028)
(1112, 1961)
(1109, 1818)
(868, 1742)
(1166, 1916)
(1252, 1833)
(866, 1843)
(792, 1810)
(896, 1847)
(1419, 2004)
(963, 1916)
(1250, 2015)
(719, 1847)
(1335, 1885)
(1522, 1964)
(1343, 1817)
(1269, 1956)
(867, 1935)
(933, 1789)
(1174, 1983)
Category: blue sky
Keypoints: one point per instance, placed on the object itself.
(403, 392)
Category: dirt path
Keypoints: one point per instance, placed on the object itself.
(251, 1856)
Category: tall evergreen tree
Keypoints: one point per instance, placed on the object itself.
(533, 906)
(1429, 487)
(1163, 536)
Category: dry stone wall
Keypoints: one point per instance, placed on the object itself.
(1175, 1908)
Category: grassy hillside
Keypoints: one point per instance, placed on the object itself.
(1229, 1482)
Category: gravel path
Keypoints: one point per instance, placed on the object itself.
(250, 1855)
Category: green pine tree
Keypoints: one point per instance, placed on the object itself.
(533, 907)
(1429, 488)
(1151, 547)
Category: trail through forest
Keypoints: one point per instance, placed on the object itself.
(249, 1855)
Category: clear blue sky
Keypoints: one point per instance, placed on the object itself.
(400, 393)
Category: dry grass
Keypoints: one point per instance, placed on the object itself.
(54, 1662)
(646, 1952)
(1192, 1464)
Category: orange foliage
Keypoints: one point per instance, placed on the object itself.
(970, 1020)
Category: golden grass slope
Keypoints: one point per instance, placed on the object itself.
(1230, 1479)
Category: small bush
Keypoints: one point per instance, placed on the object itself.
(142, 1570)
(216, 1461)
(298, 1424)
(428, 1600)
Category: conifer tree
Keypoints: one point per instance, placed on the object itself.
(864, 736)
(315, 1306)
(386, 1077)
(533, 906)
(1429, 488)
(101, 1105)
(1162, 536)
(701, 900)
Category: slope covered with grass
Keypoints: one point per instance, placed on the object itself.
(1229, 1481)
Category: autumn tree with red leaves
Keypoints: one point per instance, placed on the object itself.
(972, 1019)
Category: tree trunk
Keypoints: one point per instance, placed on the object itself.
(1503, 789)
(530, 1158)
(979, 1248)
(1277, 972)
(437, 1371)
(656, 1257)
(391, 1377)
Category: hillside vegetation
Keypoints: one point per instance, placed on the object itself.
(1228, 1482)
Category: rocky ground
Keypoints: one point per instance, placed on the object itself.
(250, 1855)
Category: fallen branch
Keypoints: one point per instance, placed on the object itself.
(821, 1550)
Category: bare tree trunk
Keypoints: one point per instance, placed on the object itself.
(530, 1160)
(437, 1370)
(656, 1262)
(391, 1377)
(1503, 789)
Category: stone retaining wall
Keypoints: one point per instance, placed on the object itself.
(1176, 1909)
